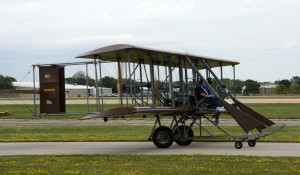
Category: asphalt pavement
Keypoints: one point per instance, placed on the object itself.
(148, 148)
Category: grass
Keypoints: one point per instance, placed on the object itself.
(25, 111)
(270, 110)
(148, 164)
(117, 133)
(69, 98)
(277, 110)
(269, 97)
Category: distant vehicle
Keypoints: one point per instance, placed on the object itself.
(115, 95)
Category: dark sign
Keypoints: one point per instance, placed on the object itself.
(52, 90)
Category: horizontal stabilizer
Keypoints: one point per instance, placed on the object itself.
(253, 114)
(246, 121)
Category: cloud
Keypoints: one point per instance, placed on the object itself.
(242, 30)
(149, 9)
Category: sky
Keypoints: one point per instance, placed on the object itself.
(263, 35)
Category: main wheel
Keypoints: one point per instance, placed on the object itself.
(163, 137)
(252, 143)
(179, 137)
(238, 145)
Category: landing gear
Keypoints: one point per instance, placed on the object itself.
(179, 137)
(238, 145)
(252, 143)
(163, 137)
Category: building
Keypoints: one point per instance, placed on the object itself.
(266, 89)
(71, 90)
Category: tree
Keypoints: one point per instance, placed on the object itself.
(6, 82)
(251, 87)
(80, 79)
(295, 80)
(110, 82)
(294, 89)
(281, 89)
(285, 82)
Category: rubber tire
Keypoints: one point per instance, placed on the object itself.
(252, 143)
(183, 141)
(168, 134)
(238, 145)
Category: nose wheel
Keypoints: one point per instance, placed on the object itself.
(252, 143)
(238, 145)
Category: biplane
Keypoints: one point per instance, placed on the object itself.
(177, 100)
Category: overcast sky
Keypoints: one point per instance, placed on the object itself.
(263, 35)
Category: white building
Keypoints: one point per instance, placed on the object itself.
(71, 90)
(265, 89)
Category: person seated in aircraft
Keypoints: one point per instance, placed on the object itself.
(204, 97)
(209, 80)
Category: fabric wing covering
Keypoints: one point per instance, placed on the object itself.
(123, 52)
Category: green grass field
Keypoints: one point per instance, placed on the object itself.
(270, 110)
(70, 98)
(277, 110)
(118, 133)
(25, 111)
(275, 96)
(145, 164)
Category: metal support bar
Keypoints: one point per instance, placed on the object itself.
(194, 75)
(234, 88)
(152, 80)
(221, 70)
(186, 82)
(96, 84)
(197, 67)
(214, 75)
(133, 73)
(87, 87)
(181, 80)
(158, 80)
(130, 82)
(158, 120)
(134, 80)
(34, 91)
(200, 75)
(141, 83)
(207, 74)
(126, 93)
(202, 127)
(216, 125)
(101, 86)
(145, 70)
(171, 82)
(167, 76)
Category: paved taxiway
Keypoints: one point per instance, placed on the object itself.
(148, 148)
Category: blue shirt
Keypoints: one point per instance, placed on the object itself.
(207, 89)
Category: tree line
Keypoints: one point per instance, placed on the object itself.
(247, 87)
(285, 86)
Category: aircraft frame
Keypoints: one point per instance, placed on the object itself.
(165, 101)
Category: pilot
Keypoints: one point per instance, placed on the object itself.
(209, 80)
(204, 97)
